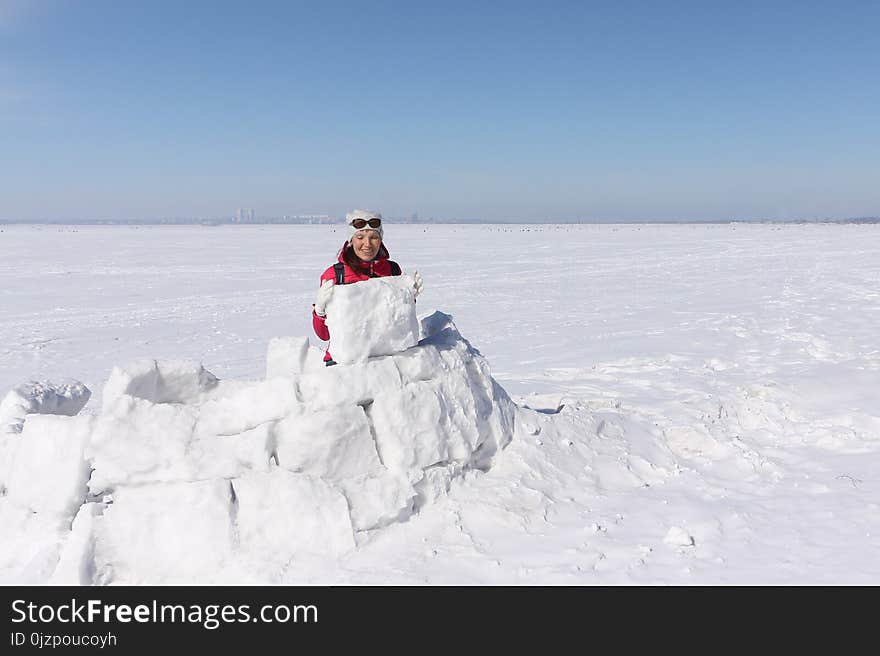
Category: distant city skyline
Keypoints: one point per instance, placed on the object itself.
(560, 112)
(327, 220)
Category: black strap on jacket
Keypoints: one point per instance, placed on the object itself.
(339, 270)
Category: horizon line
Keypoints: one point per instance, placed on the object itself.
(428, 221)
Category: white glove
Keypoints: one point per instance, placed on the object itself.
(418, 285)
(325, 291)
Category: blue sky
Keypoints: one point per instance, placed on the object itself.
(473, 110)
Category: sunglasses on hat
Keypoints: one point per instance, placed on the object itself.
(363, 223)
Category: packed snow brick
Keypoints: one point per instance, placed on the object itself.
(8, 444)
(288, 356)
(136, 441)
(498, 426)
(29, 543)
(281, 515)
(76, 561)
(453, 409)
(355, 384)
(137, 379)
(492, 411)
(166, 534)
(373, 317)
(333, 444)
(141, 442)
(41, 397)
(419, 363)
(229, 456)
(379, 500)
(182, 382)
(168, 381)
(414, 428)
(51, 449)
(235, 408)
(438, 329)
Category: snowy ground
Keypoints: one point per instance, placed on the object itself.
(718, 385)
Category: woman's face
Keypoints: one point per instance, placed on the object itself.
(366, 244)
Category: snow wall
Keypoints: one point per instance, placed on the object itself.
(184, 478)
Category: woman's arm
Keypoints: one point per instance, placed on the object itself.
(320, 326)
(319, 322)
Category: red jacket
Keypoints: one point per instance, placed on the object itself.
(378, 267)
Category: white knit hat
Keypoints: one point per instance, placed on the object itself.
(366, 215)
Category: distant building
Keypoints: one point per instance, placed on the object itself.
(244, 215)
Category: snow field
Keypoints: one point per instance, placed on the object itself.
(696, 404)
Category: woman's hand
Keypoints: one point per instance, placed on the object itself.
(325, 291)
(418, 285)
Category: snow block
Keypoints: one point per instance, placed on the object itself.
(419, 363)
(138, 379)
(373, 317)
(76, 563)
(29, 543)
(287, 357)
(439, 329)
(182, 382)
(173, 533)
(170, 381)
(281, 515)
(333, 444)
(140, 442)
(229, 456)
(416, 427)
(235, 409)
(355, 384)
(41, 397)
(8, 446)
(378, 500)
(485, 401)
(50, 449)
(136, 441)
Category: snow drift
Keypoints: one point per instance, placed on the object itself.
(186, 478)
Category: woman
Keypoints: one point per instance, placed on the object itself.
(362, 257)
